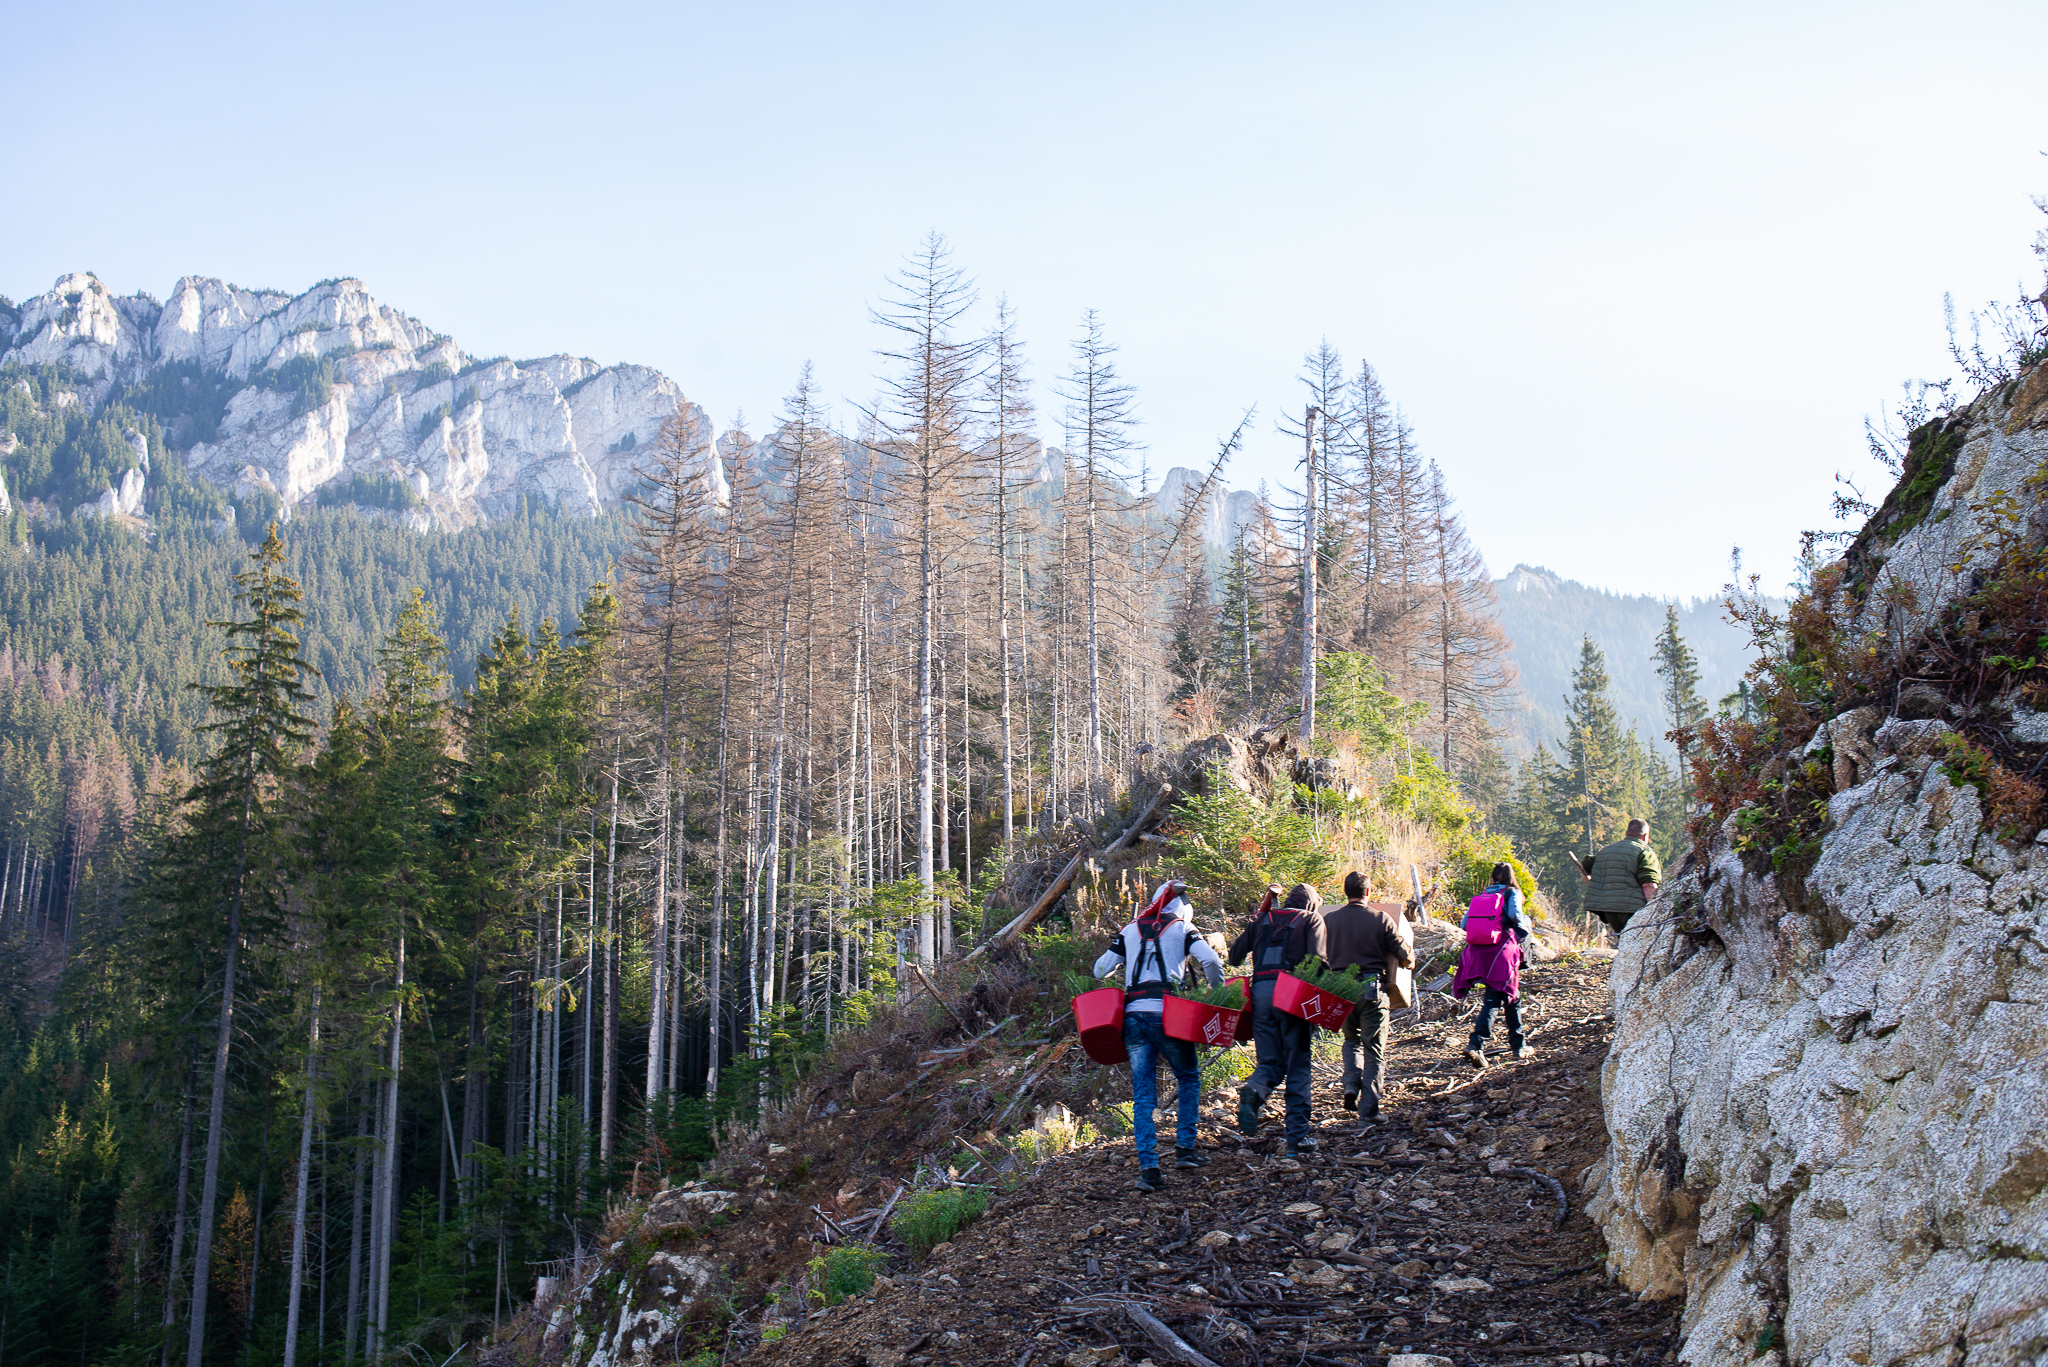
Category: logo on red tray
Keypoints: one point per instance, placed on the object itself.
(1212, 1028)
(1312, 1006)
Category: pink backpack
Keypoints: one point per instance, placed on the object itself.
(1484, 918)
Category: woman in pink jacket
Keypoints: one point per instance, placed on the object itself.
(1497, 966)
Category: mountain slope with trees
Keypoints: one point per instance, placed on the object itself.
(487, 875)
(1545, 615)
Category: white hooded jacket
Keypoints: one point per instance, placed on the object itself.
(1178, 941)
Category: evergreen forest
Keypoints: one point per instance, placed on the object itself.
(380, 905)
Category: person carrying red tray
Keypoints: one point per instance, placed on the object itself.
(1277, 939)
(1153, 951)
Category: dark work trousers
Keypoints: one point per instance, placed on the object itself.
(1483, 1027)
(1366, 1026)
(1617, 921)
(1281, 1043)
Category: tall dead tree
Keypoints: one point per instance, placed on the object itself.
(925, 413)
(1101, 410)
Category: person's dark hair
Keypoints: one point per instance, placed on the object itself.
(1504, 875)
(1354, 885)
(1638, 829)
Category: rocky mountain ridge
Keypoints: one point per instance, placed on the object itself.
(1827, 1100)
(356, 388)
(330, 385)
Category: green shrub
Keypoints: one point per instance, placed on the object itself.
(1229, 845)
(930, 1218)
(1224, 1067)
(1053, 1135)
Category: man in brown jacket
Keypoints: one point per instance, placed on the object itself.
(1373, 941)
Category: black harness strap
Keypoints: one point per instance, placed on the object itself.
(1269, 943)
(1149, 928)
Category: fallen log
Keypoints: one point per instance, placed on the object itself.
(1171, 1345)
(1058, 887)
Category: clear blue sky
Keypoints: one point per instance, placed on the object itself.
(1648, 261)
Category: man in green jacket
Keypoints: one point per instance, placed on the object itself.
(1623, 877)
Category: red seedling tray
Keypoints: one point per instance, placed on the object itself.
(1099, 1016)
(1244, 1017)
(1185, 1018)
(1297, 998)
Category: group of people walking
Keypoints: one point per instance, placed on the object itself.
(1155, 950)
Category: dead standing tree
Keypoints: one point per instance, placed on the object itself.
(1101, 410)
(925, 413)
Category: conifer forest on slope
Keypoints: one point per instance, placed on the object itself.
(378, 905)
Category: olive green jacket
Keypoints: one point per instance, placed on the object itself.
(1618, 873)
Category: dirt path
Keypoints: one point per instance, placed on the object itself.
(1407, 1236)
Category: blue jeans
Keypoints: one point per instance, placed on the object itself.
(1145, 1040)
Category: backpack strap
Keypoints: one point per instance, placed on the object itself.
(1149, 930)
(1269, 942)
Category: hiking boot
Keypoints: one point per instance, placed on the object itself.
(1522, 1051)
(1248, 1112)
(1350, 1101)
(1150, 1180)
(1307, 1148)
(1474, 1057)
(1190, 1158)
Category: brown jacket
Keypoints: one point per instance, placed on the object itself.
(1373, 937)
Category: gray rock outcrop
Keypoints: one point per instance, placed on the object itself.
(1827, 1099)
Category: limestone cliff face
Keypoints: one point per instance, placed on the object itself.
(399, 399)
(1827, 1100)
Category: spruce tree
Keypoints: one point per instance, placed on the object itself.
(1595, 770)
(1243, 620)
(259, 727)
(1683, 706)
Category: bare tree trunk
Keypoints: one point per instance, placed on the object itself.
(291, 1313)
(608, 1121)
(178, 1214)
(1310, 553)
(209, 1187)
(590, 950)
(354, 1314)
(386, 1227)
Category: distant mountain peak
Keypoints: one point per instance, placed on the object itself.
(1530, 579)
(331, 385)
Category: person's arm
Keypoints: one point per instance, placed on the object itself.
(1513, 914)
(1112, 958)
(1212, 967)
(1241, 946)
(1649, 872)
(1315, 938)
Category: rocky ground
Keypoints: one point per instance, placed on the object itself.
(1435, 1231)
